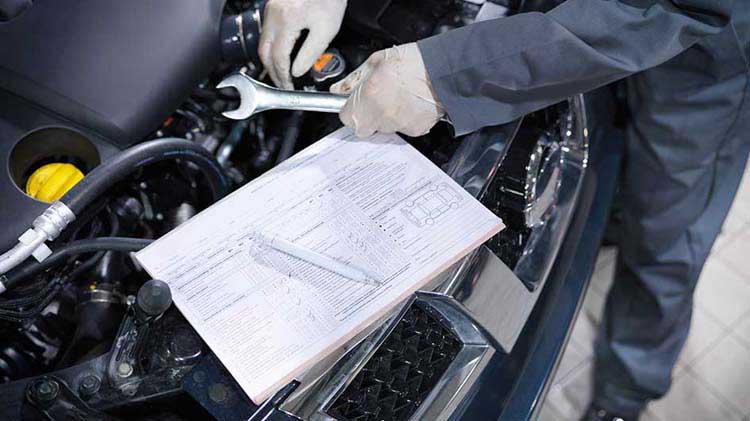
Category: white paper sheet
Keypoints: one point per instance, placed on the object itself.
(376, 203)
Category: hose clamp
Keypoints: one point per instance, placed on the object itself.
(53, 220)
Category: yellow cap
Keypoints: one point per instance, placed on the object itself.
(50, 182)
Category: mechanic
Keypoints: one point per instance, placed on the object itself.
(687, 142)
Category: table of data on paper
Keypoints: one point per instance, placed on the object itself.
(376, 203)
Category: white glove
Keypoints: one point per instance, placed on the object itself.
(390, 92)
(283, 21)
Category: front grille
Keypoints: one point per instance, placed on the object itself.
(401, 373)
(508, 244)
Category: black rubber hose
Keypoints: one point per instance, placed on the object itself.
(101, 178)
(240, 34)
(291, 133)
(71, 249)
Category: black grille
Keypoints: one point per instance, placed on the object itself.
(508, 245)
(401, 373)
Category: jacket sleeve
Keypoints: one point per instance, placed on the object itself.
(495, 71)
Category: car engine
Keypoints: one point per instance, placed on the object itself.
(111, 91)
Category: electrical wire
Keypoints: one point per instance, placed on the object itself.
(23, 312)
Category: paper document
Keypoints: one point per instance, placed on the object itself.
(375, 203)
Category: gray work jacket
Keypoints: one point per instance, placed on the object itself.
(495, 71)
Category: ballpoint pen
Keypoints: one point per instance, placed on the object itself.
(320, 260)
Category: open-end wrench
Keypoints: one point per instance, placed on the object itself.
(256, 97)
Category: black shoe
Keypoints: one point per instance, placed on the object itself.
(595, 413)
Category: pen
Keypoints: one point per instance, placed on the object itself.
(320, 260)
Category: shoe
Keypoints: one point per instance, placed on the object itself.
(595, 413)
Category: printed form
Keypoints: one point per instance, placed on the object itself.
(375, 203)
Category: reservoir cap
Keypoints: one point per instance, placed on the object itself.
(50, 182)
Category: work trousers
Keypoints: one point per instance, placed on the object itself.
(686, 149)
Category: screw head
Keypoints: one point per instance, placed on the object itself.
(90, 384)
(129, 390)
(45, 389)
(199, 376)
(218, 393)
(124, 369)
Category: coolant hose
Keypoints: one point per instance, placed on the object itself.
(104, 176)
(72, 249)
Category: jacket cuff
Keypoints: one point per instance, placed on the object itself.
(434, 56)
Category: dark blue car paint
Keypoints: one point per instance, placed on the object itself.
(513, 386)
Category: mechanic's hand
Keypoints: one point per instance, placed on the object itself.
(390, 92)
(283, 21)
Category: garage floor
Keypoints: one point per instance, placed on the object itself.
(712, 377)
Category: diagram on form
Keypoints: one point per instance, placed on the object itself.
(425, 209)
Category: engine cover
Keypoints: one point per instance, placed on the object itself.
(80, 79)
(116, 67)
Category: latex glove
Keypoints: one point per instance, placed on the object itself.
(283, 22)
(390, 92)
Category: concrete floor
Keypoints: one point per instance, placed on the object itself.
(712, 377)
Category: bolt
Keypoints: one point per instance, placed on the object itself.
(185, 346)
(129, 389)
(199, 376)
(46, 390)
(124, 369)
(89, 385)
(218, 392)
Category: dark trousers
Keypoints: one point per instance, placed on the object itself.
(686, 149)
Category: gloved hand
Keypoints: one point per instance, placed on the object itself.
(283, 21)
(390, 92)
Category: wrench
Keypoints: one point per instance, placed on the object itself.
(256, 97)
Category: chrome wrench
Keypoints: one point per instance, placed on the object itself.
(256, 97)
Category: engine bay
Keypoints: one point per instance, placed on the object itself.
(85, 331)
